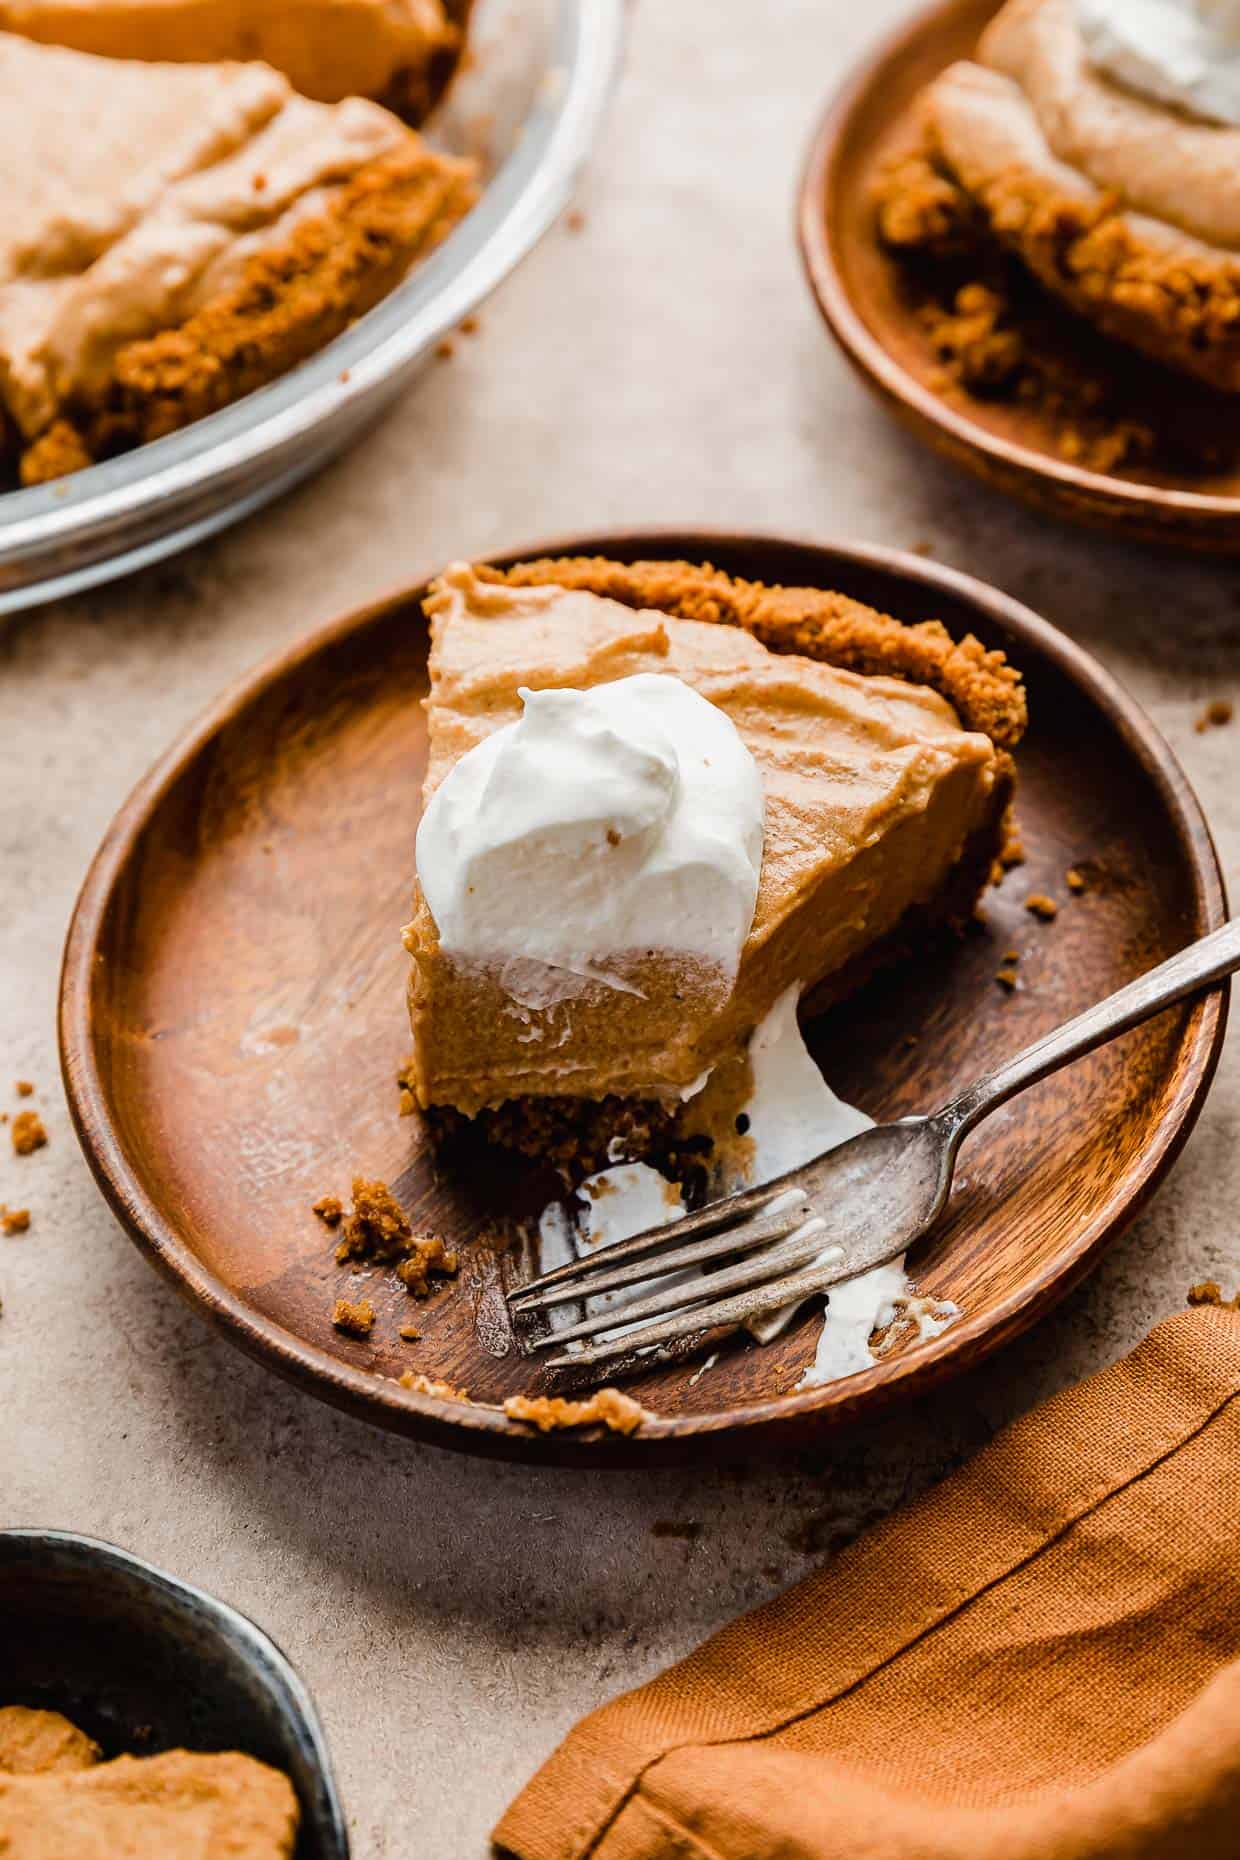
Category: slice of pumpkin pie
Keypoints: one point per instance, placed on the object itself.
(657, 798)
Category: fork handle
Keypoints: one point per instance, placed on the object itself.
(1207, 961)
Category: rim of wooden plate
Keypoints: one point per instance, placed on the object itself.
(795, 1416)
(1184, 519)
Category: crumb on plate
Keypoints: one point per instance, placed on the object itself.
(15, 1220)
(609, 1408)
(330, 1210)
(1040, 906)
(378, 1230)
(355, 1320)
(427, 1385)
(426, 1257)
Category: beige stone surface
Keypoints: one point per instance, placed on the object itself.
(662, 364)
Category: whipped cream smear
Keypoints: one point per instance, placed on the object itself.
(793, 1116)
(1181, 52)
(621, 819)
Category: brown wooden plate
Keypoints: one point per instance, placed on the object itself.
(865, 301)
(232, 1020)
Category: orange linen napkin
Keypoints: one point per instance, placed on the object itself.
(1032, 1663)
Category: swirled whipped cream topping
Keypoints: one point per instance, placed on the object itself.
(1181, 52)
(604, 824)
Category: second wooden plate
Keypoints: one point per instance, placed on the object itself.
(860, 292)
(232, 1022)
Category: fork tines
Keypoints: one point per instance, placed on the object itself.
(781, 1252)
(760, 1215)
(722, 1313)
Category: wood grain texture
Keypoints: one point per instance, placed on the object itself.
(860, 294)
(232, 1020)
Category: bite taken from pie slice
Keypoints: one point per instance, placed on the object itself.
(658, 799)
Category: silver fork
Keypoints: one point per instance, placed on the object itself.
(849, 1210)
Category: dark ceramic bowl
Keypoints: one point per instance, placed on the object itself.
(145, 1663)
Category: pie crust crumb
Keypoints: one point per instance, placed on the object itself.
(609, 1408)
(355, 1320)
(1040, 906)
(28, 1133)
(1210, 1293)
(426, 1257)
(377, 1228)
(426, 1385)
(1218, 711)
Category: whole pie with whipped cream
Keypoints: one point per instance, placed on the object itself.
(657, 798)
(1097, 141)
(177, 235)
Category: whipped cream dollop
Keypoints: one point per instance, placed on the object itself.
(1181, 52)
(603, 823)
